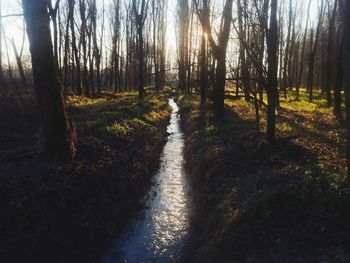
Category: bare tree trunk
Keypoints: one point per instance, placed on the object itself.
(346, 74)
(272, 94)
(329, 59)
(75, 48)
(286, 75)
(337, 108)
(291, 61)
(10, 71)
(140, 12)
(58, 133)
(244, 67)
(263, 26)
(310, 79)
(301, 69)
(83, 43)
(183, 42)
(218, 50)
(155, 17)
(204, 68)
(66, 56)
(53, 14)
(96, 52)
(189, 51)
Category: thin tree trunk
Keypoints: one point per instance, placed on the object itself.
(272, 94)
(204, 68)
(301, 69)
(183, 42)
(19, 65)
(310, 81)
(75, 48)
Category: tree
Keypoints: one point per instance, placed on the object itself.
(329, 58)
(58, 132)
(75, 49)
(271, 89)
(219, 49)
(204, 68)
(242, 52)
(346, 73)
(140, 8)
(301, 68)
(314, 44)
(115, 59)
(158, 28)
(337, 107)
(83, 43)
(19, 65)
(53, 14)
(183, 9)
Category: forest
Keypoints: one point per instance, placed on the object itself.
(175, 131)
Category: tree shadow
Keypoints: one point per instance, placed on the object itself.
(255, 201)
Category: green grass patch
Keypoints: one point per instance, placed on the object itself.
(117, 129)
(119, 115)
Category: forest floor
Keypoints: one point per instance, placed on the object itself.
(260, 203)
(71, 212)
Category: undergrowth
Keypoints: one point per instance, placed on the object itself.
(257, 202)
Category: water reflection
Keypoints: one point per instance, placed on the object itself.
(159, 235)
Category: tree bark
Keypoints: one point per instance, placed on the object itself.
(53, 14)
(183, 42)
(242, 55)
(140, 12)
(204, 68)
(346, 75)
(337, 111)
(58, 133)
(75, 48)
(301, 69)
(218, 51)
(329, 58)
(310, 79)
(272, 94)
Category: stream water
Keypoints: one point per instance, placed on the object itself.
(159, 234)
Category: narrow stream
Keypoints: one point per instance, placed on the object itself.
(158, 236)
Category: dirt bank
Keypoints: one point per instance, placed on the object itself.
(71, 212)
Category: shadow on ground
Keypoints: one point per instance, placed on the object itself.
(260, 203)
(70, 212)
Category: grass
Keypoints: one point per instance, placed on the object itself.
(260, 203)
(71, 212)
(122, 119)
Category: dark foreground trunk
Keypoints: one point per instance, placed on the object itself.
(337, 111)
(346, 73)
(56, 129)
(219, 88)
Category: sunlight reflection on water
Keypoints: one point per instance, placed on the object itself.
(158, 236)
